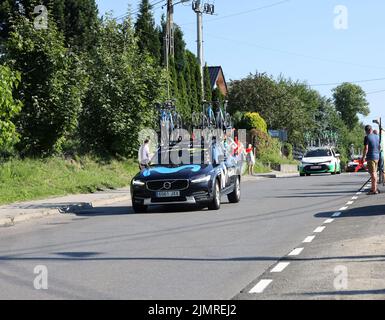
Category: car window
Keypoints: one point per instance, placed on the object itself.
(197, 155)
(318, 153)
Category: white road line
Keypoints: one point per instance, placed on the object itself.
(261, 286)
(296, 252)
(350, 202)
(319, 229)
(308, 239)
(328, 221)
(343, 208)
(354, 198)
(280, 267)
(358, 193)
(337, 214)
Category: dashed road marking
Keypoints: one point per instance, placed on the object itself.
(344, 208)
(354, 198)
(308, 239)
(350, 202)
(280, 267)
(329, 221)
(261, 286)
(336, 214)
(358, 193)
(319, 229)
(296, 252)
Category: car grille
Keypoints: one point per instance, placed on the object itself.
(323, 167)
(168, 185)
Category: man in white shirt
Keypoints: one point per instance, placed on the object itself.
(144, 154)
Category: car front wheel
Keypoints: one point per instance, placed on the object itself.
(235, 196)
(216, 202)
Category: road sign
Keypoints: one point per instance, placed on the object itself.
(279, 134)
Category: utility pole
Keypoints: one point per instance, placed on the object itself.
(200, 9)
(169, 40)
(170, 26)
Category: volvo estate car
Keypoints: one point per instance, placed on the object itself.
(200, 181)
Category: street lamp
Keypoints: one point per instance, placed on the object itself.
(379, 123)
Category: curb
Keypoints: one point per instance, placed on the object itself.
(274, 176)
(10, 221)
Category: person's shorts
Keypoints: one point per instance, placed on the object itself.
(372, 166)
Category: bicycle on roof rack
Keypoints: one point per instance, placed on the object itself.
(204, 119)
(170, 121)
(209, 119)
(223, 118)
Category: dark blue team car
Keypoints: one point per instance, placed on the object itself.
(201, 183)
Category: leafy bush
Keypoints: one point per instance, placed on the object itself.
(122, 93)
(51, 88)
(252, 120)
(9, 108)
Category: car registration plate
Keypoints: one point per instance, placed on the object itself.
(315, 167)
(168, 194)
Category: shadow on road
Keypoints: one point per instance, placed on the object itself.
(367, 211)
(326, 194)
(346, 293)
(127, 210)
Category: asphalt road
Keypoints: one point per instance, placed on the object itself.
(171, 253)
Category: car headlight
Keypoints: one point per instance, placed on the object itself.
(138, 183)
(201, 179)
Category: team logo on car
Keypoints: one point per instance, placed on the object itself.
(167, 185)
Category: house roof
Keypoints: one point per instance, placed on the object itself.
(215, 72)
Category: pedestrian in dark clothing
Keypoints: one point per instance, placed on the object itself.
(372, 155)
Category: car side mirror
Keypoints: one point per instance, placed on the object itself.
(338, 155)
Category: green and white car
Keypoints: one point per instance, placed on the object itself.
(320, 160)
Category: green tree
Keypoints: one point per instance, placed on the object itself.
(51, 88)
(350, 101)
(207, 84)
(9, 108)
(147, 32)
(76, 19)
(124, 87)
(273, 100)
(179, 50)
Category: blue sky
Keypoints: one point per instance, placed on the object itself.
(296, 38)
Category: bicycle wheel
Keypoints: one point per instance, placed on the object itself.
(228, 121)
(211, 121)
(205, 124)
(165, 132)
(178, 122)
(196, 120)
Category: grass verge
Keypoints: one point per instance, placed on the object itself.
(31, 179)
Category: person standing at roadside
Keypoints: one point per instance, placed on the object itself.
(144, 155)
(372, 155)
(250, 158)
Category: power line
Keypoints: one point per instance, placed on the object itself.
(152, 6)
(375, 92)
(338, 83)
(293, 53)
(243, 12)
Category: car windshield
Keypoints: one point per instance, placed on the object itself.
(181, 156)
(318, 153)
